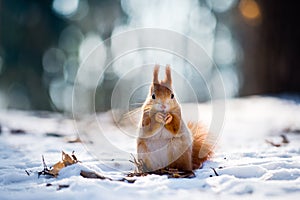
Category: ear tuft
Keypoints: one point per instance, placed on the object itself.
(168, 78)
(155, 74)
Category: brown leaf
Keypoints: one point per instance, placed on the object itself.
(54, 170)
(67, 159)
(74, 140)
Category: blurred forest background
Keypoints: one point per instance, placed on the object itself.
(255, 43)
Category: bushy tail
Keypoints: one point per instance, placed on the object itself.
(202, 145)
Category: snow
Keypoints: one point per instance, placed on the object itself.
(246, 165)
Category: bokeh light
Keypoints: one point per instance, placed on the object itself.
(61, 94)
(53, 60)
(82, 11)
(70, 69)
(249, 9)
(70, 39)
(224, 47)
(82, 25)
(94, 63)
(65, 7)
(91, 41)
(220, 5)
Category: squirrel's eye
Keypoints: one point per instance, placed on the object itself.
(153, 96)
(172, 96)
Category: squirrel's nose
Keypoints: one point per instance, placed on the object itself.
(163, 106)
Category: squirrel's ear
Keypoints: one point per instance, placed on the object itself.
(155, 74)
(168, 79)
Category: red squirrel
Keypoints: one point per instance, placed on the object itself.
(164, 139)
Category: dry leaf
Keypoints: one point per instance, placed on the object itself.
(74, 140)
(54, 170)
(67, 160)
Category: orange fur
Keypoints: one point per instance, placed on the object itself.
(174, 125)
(168, 80)
(183, 162)
(141, 144)
(202, 147)
(149, 124)
(164, 140)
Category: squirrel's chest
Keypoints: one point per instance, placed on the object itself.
(163, 148)
(158, 131)
(162, 137)
(161, 134)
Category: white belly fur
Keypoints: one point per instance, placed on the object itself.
(163, 147)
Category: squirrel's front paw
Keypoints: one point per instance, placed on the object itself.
(160, 118)
(168, 118)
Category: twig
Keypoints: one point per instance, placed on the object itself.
(272, 143)
(17, 131)
(74, 157)
(62, 186)
(142, 170)
(44, 163)
(284, 139)
(127, 180)
(27, 172)
(140, 165)
(46, 170)
(94, 175)
(215, 171)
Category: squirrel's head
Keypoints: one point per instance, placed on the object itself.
(161, 95)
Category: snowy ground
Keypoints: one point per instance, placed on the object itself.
(248, 166)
